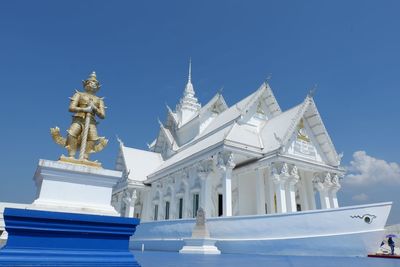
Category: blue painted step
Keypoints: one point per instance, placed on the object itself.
(45, 238)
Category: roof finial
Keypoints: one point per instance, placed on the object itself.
(190, 70)
(119, 140)
(159, 122)
(312, 91)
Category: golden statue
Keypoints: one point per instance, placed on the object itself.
(82, 134)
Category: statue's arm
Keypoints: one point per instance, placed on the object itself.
(73, 106)
(100, 110)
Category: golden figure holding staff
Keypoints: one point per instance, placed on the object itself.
(82, 134)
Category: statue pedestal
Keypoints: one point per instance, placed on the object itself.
(47, 238)
(200, 242)
(87, 232)
(74, 188)
(199, 246)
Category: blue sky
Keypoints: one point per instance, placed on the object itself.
(140, 51)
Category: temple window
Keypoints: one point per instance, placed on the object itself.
(180, 208)
(167, 210)
(195, 204)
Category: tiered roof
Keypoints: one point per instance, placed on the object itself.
(255, 125)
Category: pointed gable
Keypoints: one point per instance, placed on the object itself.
(281, 131)
(313, 120)
(211, 110)
(273, 132)
(303, 144)
(137, 164)
(172, 119)
(165, 143)
(261, 101)
(217, 105)
(240, 110)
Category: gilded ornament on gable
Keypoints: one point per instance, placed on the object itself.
(301, 132)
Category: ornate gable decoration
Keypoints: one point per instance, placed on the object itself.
(309, 137)
(302, 146)
(260, 109)
(301, 132)
(214, 108)
(259, 106)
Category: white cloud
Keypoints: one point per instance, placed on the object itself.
(367, 170)
(360, 197)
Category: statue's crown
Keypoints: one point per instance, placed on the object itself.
(92, 77)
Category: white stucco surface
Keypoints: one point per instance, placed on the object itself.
(75, 188)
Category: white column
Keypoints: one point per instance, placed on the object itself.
(205, 193)
(280, 196)
(227, 192)
(226, 165)
(333, 200)
(146, 196)
(271, 194)
(280, 184)
(332, 194)
(130, 205)
(323, 186)
(291, 190)
(291, 197)
(324, 198)
(119, 202)
(161, 208)
(186, 200)
(260, 192)
(172, 206)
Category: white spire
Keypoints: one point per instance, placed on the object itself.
(190, 71)
(189, 90)
(188, 105)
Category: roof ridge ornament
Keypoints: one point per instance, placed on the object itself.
(160, 123)
(312, 91)
(269, 77)
(168, 108)
(121, 143)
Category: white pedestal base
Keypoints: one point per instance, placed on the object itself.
(74, 188)
(199, 246)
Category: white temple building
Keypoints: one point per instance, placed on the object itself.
(247, 159)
